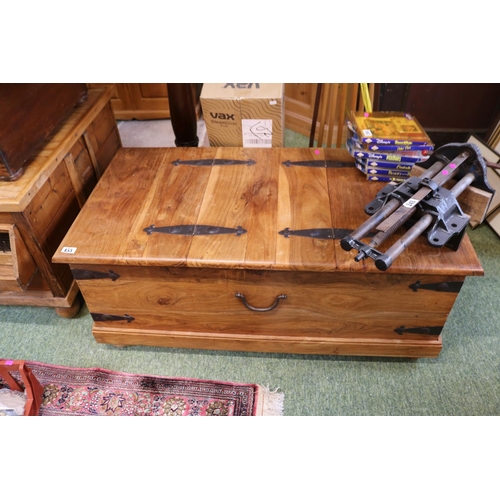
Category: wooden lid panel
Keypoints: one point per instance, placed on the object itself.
(263, 191)
(175, 199)
(262, 205)
(108, 224)
(238, 196)
(303, 203)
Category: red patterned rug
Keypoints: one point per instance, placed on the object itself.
(98, 392)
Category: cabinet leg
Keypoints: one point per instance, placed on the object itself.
(72, 310)
(182, 104)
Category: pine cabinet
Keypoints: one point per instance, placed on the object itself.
(138, 101)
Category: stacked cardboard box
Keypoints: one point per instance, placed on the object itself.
(249, 115)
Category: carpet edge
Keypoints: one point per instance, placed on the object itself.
(267, 401)
(271, 402)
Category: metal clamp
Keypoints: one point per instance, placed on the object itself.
(423, 204)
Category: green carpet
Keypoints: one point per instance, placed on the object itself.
(463, 380)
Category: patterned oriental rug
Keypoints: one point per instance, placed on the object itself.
(99, 392)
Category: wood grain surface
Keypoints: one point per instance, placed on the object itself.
(29, 113)
(145, 187)
(15, 196)
(265, 342)
(41, 205)
(318, 304)
(172, 290)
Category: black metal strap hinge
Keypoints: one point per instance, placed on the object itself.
(319, 163)
(111, 317)
(83, 274)
(328, 233)
(210, 162)
(424, 330)
(195, 230)
(449, 286)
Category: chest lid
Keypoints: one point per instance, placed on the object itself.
(269, 208)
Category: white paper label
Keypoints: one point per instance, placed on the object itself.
(68, 250)
(410, 203)
(257, 133)
(367, 133)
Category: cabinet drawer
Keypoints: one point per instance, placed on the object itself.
(319, 304)
(17, 267)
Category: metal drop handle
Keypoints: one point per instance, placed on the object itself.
(260, 309)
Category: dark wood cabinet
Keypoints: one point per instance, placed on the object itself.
(38, 208)
(449, 112)
(29, 113)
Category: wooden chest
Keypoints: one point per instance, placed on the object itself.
(29, 113)
(198, 248)
(37, 209)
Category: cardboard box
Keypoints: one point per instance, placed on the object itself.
(244, 114)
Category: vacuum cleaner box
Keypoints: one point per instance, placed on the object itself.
(244, 114)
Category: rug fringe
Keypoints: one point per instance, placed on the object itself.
(271, 402)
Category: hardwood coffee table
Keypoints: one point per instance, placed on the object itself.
(239, 249)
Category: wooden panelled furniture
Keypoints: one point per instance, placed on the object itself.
(29, 112)
(299, 106)
(152, 101)
(138, 101)
(329, 103)
(37, 209)
(333, 103)
(233, 248)
(449, 112)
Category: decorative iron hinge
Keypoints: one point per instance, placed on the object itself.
(111, 317)
(83, 274)
(195, 230)
(328, 233)
(425, 330)
(319, 163)
(449, 286)
(213, 162)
